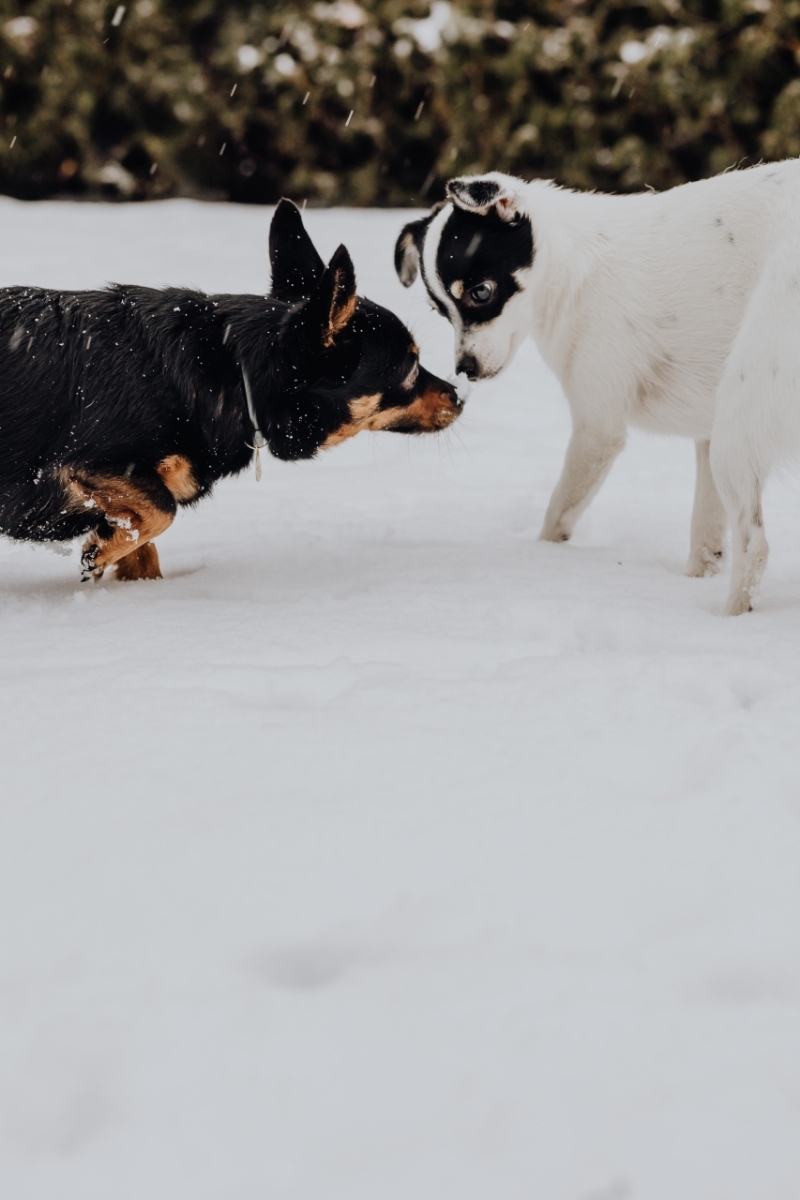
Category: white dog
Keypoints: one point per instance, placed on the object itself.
(676, 312)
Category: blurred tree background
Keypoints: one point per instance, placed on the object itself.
(380, 101)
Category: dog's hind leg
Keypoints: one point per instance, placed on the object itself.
(134, 508)
(709, 521)
(590, 456)
(141, 563)
(757, 421)
(742, 487)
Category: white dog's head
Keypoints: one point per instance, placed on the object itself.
(475, 250)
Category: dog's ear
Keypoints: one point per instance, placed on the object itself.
(336, 295)
(481, 193)
(296, 266)
(408, 249)
(314, 324)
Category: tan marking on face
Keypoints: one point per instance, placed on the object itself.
(141, 563)
(457, 288)
(176, 472)
(429, 412)
(360, 411)
(343, 308)
(425, 414)
(125, 505)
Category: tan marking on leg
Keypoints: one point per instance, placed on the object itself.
(141, 563)
(176, 472)
(125, 505)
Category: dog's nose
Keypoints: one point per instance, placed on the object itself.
(468, 365)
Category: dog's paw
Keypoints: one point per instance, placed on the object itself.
(90, 568)
(739, 602)
(704, 563)
(554, 535)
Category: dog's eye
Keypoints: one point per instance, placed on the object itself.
(482, 293)
(411, 377)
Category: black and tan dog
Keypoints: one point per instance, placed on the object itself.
(116, 406)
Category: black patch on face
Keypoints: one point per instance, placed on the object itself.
(477, 249)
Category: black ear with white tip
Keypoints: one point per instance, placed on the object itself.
(480, 194)
(296, 266)
(474, 195)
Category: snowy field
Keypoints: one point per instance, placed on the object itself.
(381, 852)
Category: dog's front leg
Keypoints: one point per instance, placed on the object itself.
(708, 519)
(590, 455)
(134, 509)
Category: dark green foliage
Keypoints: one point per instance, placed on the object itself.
(613, 95)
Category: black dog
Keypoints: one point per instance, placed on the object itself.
(118, 405)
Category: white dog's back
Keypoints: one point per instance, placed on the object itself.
(642, 296)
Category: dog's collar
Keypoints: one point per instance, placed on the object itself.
(258, 438)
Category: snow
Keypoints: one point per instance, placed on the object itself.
(381, 851)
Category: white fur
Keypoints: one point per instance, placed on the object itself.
(678, 313)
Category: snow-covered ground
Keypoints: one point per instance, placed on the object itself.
(381, 852)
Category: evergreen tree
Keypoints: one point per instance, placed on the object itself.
(379, 102)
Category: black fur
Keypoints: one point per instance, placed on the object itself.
(108, 384)
(477, 193)
(473, 248)
(476, 248)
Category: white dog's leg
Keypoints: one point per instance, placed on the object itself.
(757, 420)
(590, 455)
(742, 492)
(708, 519)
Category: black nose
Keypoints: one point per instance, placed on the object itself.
(468, 365)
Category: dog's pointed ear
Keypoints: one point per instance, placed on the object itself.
(408, 249)
(336, 294)
(296, 266)
(317, 320)
(481, 193)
